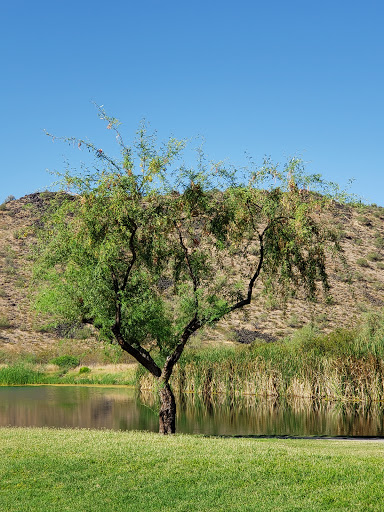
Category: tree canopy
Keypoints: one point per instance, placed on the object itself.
(150, 250)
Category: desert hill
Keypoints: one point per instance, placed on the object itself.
(356, 287)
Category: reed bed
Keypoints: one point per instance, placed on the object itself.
(19, 374)
(347, 364)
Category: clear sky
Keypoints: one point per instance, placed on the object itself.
(278, 78)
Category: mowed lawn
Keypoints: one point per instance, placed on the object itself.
(88, 470)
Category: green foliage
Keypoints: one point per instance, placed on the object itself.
(4, 322)
(362, 262)
(370, 339)
(19, 374)
(373, 256)
(66, 362)
(365, 221)
(84, 369)
(294, 321)
(8, 199)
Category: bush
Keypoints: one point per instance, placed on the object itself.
(4, 322)
(362, 262)
(66, 362)
(84, 369)
(373, 256)
(294, 321)
(365, 221)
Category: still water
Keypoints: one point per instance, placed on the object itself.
(124, 409)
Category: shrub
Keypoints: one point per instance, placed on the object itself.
(321, 320)
(66, 362)
(84, 369)
(4, 322)
(362, 262)
(365, 221)
(294, 321)
(373, 256)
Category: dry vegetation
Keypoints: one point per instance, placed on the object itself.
(357, 286)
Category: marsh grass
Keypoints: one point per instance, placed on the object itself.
(122, 378)
(19, 374)
(28, 369)
(51, 470)
(346, 364)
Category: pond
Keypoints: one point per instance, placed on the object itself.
(123, 409)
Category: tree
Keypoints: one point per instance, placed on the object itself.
(150, 251)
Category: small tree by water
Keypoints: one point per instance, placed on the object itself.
(149, 251)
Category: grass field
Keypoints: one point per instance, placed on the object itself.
(85, 470)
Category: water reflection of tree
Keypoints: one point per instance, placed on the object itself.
(214, 414)
(247, 415)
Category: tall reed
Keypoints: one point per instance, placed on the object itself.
(19, 374)
(346, 364)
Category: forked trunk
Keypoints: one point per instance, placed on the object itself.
(167, 415)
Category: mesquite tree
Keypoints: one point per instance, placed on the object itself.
(149, 251)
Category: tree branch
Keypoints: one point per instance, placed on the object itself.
(99, 153)
(193, 277)
(172, 359)
(140, 354)
(246, 301)
(134, 256)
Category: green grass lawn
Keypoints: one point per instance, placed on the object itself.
(88, 470)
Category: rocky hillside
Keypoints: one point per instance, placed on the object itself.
(357, 286)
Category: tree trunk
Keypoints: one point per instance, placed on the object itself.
(167, 415)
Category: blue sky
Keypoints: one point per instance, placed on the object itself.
(274, 78)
